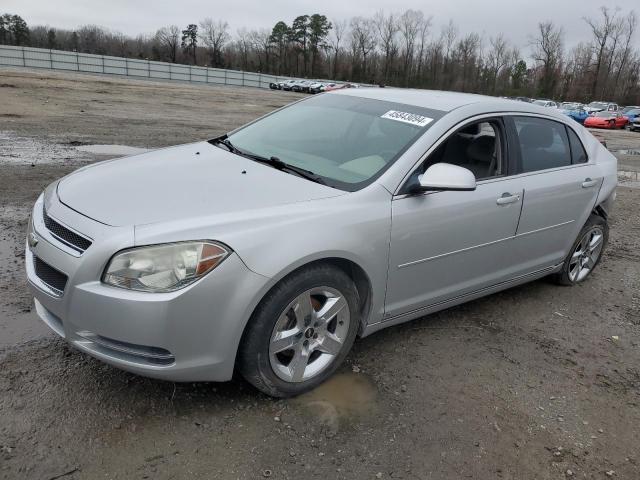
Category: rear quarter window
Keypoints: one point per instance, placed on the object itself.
(578, 153)
(543, 144)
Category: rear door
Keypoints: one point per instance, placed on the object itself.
(560, 189)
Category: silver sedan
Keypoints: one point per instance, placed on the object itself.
(270, 249)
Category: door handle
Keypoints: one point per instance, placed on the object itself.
(508, 198)
(588, 183)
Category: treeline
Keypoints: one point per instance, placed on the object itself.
(401, 49)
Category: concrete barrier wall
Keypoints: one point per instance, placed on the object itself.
(129, 67)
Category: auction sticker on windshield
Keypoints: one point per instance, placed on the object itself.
(412, 118)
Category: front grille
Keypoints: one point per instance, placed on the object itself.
(48, 275)
(65, 235)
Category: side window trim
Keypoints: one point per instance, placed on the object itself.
(505, 153)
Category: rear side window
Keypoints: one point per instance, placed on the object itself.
(578, 152)
(543, 144)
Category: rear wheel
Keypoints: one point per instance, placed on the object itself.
(301, 332)
(586, 252)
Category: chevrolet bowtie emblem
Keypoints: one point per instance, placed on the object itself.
(32, 239)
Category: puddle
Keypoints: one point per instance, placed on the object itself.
(343, 398)
(15, 149)
(627, 152)
(113, 150)
(628, 178)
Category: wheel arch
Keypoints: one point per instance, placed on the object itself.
(353, 269)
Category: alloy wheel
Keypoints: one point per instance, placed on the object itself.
(309, 334)
(586, 254)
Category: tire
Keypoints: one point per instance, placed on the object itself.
(286, 332)
(573, 270)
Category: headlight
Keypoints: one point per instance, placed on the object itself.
(163, 268)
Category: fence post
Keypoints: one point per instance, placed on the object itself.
(102, 58)
(50, 59)
(243, 78)
(77, 62)
(207, 77)
(24, 63)
(259, 80)
(148, 69)
(126, 67)
(225, 77)
(189, 73)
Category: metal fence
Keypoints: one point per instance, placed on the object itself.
(129, 67)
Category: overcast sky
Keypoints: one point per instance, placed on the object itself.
(517, 19)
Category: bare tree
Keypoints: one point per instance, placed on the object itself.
(602, 32)
(338, 32)
(629, 28)
(214, 34)
(261, 42)
(410, 22)
(387, 31)
(497, 58)
(548, 47)
(467, 53)
(244, 45)
(363, 40)
(169, 39)
(423, 33)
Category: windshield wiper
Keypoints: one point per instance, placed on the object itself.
(224, 140)
(275, 162)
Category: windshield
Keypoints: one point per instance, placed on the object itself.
(348, 141)
(542, 103)
(604, 114)
(598, 105)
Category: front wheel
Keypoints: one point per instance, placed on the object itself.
(301, 331)
(586, 252)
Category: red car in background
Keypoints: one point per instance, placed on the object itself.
(606, 120)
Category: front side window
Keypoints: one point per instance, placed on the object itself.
(478, 147)
(543, 144)
(346, 140)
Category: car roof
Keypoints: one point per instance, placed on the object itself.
(440, 100)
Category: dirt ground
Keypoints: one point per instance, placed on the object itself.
(536, 382)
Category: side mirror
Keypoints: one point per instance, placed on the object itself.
(445, 176)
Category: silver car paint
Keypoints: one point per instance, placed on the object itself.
(276, 222)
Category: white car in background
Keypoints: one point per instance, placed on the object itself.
(545, 103)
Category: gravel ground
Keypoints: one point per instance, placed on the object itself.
(538, 381)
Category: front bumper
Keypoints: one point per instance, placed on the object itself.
(188, 335)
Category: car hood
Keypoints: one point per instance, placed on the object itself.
(180, 182)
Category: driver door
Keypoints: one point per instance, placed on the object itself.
(449, 243)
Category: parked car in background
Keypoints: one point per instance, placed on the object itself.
(316, 87)
(301, 86)
(280, 250)
(523, 99)
(578, 114)
(571, 106)
(601, 107)
(629, 107)
(631, 115)
(545, 103)
(287, 84)
(635, 125)
(328, 86)
(605, 119)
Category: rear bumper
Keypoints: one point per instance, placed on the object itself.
(188, 335)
